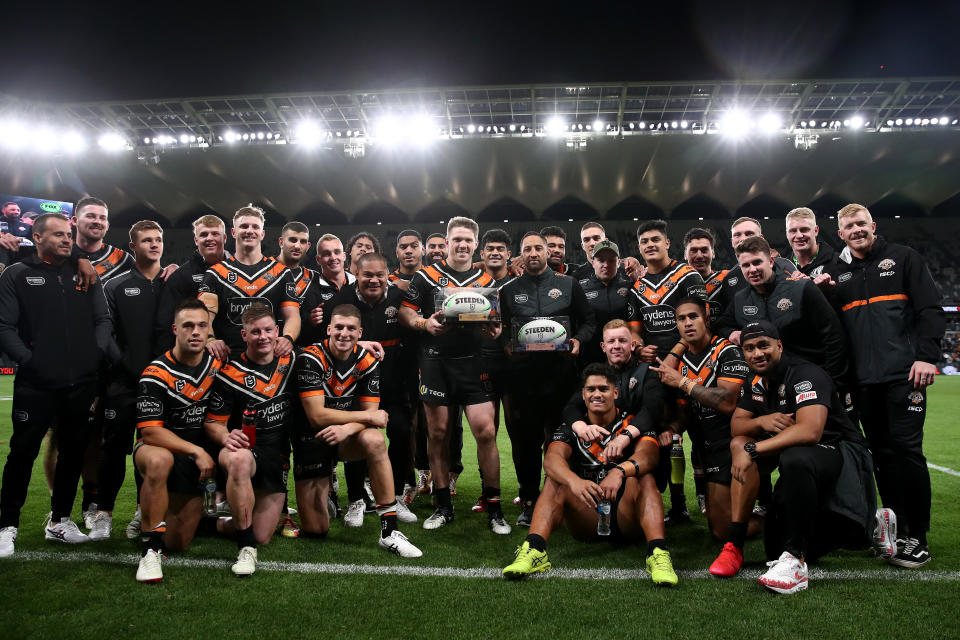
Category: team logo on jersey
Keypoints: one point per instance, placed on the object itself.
(326, 296)
(110, 414)
(197, 277)
(784, 303)
(750, 311)
(131, 291)
(584, 281)
(2, 267)
(641, 287)
(375, 385)
(915, 397)
(733, 281)
(216, 401)
(390, 311)
(180, 384)
(269, 277)
(328, 373)
(782, 391)
(887, 264)
(669, 284)
(633, 383)
(684, 370)
(622, 291)
(520, 298)
(715, 282)
(36, 282)
(292, 289)
(554, 293)
(231, 277)
(283, 368)
(412, 292)
(250, 381)
(443, 281)
(845, 276)
(20, 416)
(800, 387)
(630, 311)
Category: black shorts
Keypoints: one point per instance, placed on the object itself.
(312, 457)
(717, 461)
(454, 382)
(273, 467)
(184, 476)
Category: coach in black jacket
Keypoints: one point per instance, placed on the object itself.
(58, 335)
(890, 306)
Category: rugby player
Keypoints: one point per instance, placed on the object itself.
(709, 376)
(171, 450)
(451, 372)
(258, 382)
(607, 289)
(698, 251)
(809, 256)
(331, 278)
(132, 299)
(890, 308)
(15, 225)
(557, 250)
(410, 253)
(790, 417)
(58, 334)
(436, 250)
(231, 286)
(583, 473)
(360, 244)
(539, 383)
(339, 386)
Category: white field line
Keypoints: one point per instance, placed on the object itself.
(947, 470)
(886, 573)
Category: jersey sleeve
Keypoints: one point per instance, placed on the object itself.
(150, 402)
(368, 387)
(290, 297)
(564, 433)
(221, 402)
(731, 367)
(211, 283)
(694, 286)
(811, 385)
(417, 292)
(309, 376)
(750, 400)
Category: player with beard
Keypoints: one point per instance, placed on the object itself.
(698, 251)
(557, 250)
(436, 248)
(810, 256)
(451, 372)
(616, 467)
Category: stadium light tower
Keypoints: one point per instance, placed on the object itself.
(309, 133)
(735, 124)
(770, 123)
(111, 142)
(555, 126)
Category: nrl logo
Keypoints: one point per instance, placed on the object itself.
(443, 282)
(250, 381)
(641, 287)
(231, 277)
(784, 304)
(180, 384)
(887, 264)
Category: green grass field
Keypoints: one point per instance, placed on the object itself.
(345, 586)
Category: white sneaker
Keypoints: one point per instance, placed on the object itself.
(246, 562)
(403, 511)
(439, 518)
(102, 526)
(354, 515)
(453, 483)
(150, 569)
(499, 526)
(409, 494)
(133, 527)
(885, 533)
(786, 574)
(90, 515)
(7, 537)
(398, 544)
(65, 531)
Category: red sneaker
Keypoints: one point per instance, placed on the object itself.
(480, 506)
(728, 563)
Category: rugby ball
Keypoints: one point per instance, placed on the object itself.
(465, 302)
(543, 331)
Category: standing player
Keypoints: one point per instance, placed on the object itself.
(360, 244)
(607, 290)
(451, 372)
(170, 452)
(332, 277)
(409, 256)
(436, 248)
(13, 223)
(231, 286)
(698, 251)
(557, 250)
(890, 307)
(809, 256)
(256, 386)
(581, 475)
(539, 383)
(132, 299)
(339, 384)
(58, 335)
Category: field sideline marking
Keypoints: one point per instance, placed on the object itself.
(887, 573)
(947, 470)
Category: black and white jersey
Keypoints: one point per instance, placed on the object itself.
(175, 396)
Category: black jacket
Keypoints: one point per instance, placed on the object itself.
(808, 325)
(608, 301)
(132, 301)
(890, 307)
(183, 283)
(55, 332)
(825, 256)
(640, 393)
(733, 283)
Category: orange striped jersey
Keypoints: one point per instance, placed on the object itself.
(108, 262)
(238, 285)
(722, 360)
(587, 460)
(265, 388)
(396, 274)
(175, 395)
(458, 342)
(713, 284)
(653, 301)
(341, 382)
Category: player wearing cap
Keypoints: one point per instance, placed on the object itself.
(790, 417)
(581, 474)
(607, 290)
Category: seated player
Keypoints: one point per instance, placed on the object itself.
(257, 383)
(581, 475)
(339, 386)
(170, 451)
(792, 418)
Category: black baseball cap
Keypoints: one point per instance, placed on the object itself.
(759, 329)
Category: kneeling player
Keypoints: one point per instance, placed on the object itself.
(579, 479)
(339, 387)
(253, 388)
(170, 454)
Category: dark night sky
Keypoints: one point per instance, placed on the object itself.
(88, 51)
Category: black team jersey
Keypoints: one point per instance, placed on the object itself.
(237, 286)
(264, 388)
(109, 262)
(458, 342)
(722, 360)
(182, 284)
(342, 383)
(175, 396)
(587, 460)
(396, 274)
(315, 292)
(653, 301)
(713, 284)
(132, 299)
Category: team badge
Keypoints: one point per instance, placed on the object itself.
(328, 373)
(622, 291)
(633, 382)
(110, 414)
(291, 289)
(715, 282)
(750, 311)
(390, 311)
(326, 296)
(733, 281)
(554, 293)
(887, 264)
(36, 281)
(782, 391)
(179, 384)
(412, 292)
(250, 381)
(375, 385)
(845, 276)
(784, 304)
(269, 277)
(520, 298)
(915, 397)
(591, 294)
(443, 282)
(197, 277)
(231, 277)
(283, 368)
(2, 267)
(669, 284)
(817, 271)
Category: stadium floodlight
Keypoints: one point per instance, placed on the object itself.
(523, 128)
(770, 123)
(803, 124)
(674, 124)
(943, 120)
(422, 130)
(684, 124)
(889, 123)
(73, 142)
(513, 128)
(184, 139)
(228, 136)
(308, 133)
(260, 135)
(555, 126)
(598, 125)
(898, 121)
(246, 136)
(909, 122)
(45, 139)
(642, 125)
(111, 141)
(155, 140)
(471, 128)
(13, 135)
(857, 121)
(734, 123)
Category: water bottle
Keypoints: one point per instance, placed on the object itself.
(249, 425)
(209, 496)
(603, 524)
(677, 466)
